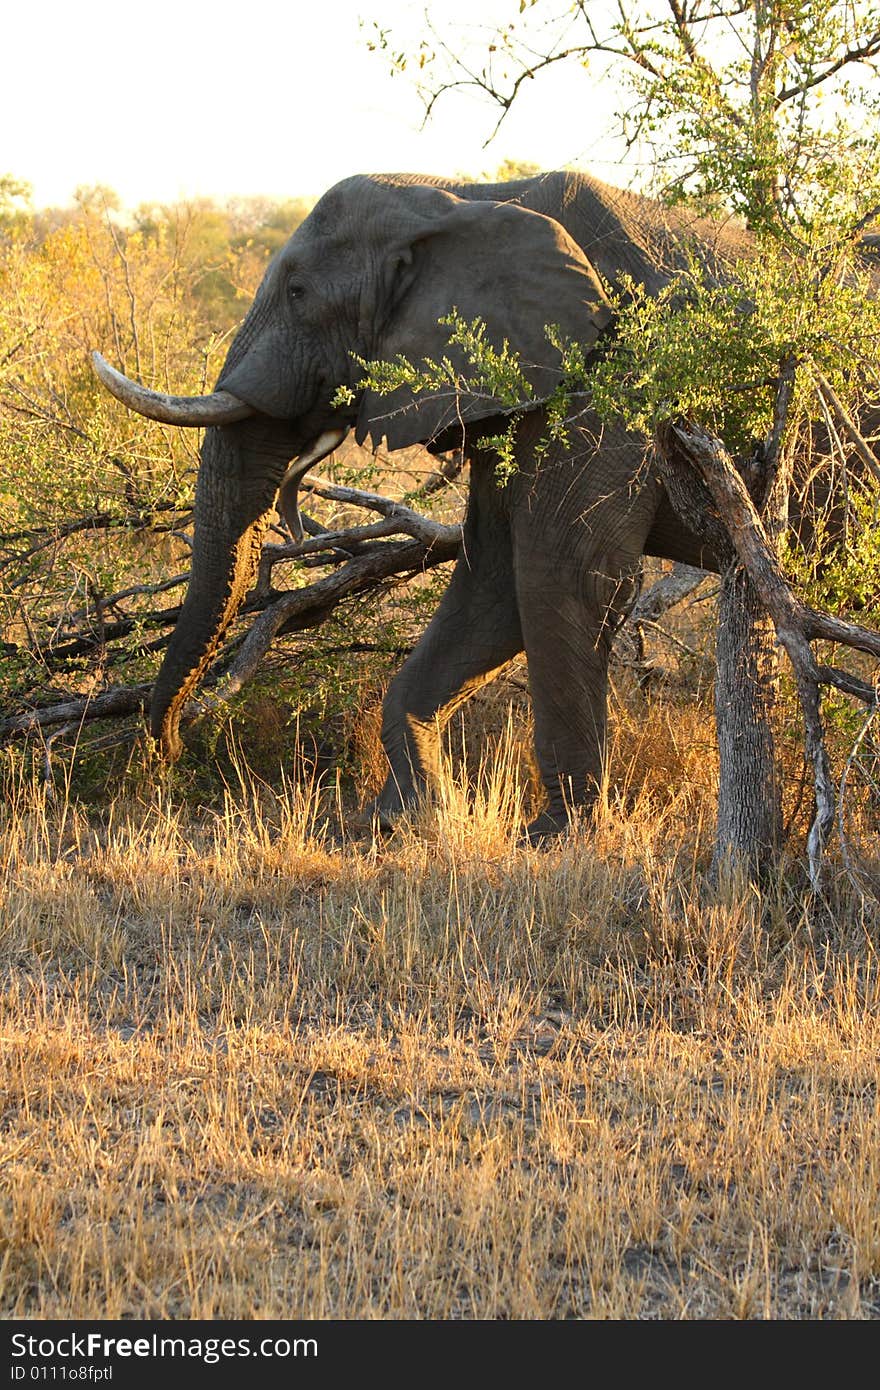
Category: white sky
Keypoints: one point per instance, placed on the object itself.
(168, 99)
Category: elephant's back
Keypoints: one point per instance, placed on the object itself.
(622, 234)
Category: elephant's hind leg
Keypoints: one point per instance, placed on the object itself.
(577, 562)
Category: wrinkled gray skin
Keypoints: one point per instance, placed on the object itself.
(548, 563)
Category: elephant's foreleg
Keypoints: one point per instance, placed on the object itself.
(567, 646)
(475, 631)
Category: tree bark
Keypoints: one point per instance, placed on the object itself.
(749, 824)
(749, 827)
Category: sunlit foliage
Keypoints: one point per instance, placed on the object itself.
(90, 496)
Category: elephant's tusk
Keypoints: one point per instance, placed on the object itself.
(288, 492)
(220, 408)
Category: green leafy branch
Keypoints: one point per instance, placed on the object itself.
(489, 373)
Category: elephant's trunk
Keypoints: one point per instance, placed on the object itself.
(235, 490)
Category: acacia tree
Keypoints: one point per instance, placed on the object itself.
(764, 111)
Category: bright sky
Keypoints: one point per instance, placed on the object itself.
(170, 99)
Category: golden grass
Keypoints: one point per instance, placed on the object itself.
(252, 1067)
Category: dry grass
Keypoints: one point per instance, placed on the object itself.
(253, 1068)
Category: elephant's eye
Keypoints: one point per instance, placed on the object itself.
(295, 290)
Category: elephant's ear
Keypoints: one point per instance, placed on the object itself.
(515, 270)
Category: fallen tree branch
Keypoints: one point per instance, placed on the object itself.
(295, 610)
(848, 425)
(86, 630)
(669, 590)
(310, 606)
(110, 704)
(412, 523)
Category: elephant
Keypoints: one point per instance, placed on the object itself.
(550, 557)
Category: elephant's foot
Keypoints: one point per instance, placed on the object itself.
(544, 829)
(384, 811)
(372, 820)
(383, 818)
(369, 822)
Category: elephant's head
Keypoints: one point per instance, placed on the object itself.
(369, 274)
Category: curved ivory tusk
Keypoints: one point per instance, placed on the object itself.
(288, 491)
(221, 408)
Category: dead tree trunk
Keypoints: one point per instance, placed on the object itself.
(721, 492)
(749, 827)
(749, 822)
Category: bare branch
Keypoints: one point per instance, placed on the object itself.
(412, 523)
(668, 591)
(864, 451)
(293, 611)
(861, 54)
(110, 704)
(310, 606)
(674, 641)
